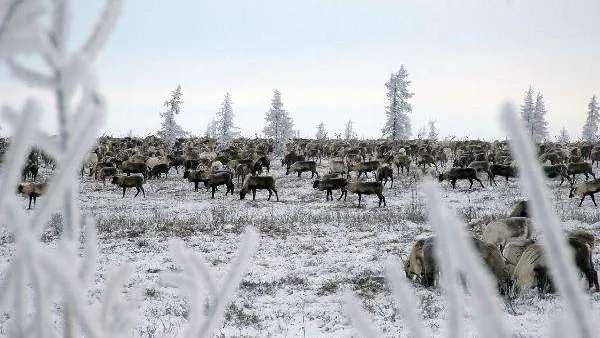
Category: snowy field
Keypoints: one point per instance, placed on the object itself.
(310, 252)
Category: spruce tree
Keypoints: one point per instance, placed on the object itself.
(279, 125)
(527, 112)
(170, 131)
(540, 125)
(321, 132)
(397, 125)
(563, 137)
(226, 130)
(433, 133)
(349, 133)
(590, 128)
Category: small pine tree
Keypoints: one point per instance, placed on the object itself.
(349, 133)
(170, 131)
(422, 134)
(527, 112)
(211, 129)
(397, 125)
(226, 130)
(540, 125)
(433, 133)
(279, 125)
(563, 137)
(321, 132)
(590, 128)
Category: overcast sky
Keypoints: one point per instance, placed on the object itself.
(331, 59)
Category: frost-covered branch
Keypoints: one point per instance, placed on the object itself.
(102, 30)
(406, 302)
(55, 274)
(20, 30)
(29, 76)
(197, 277)
(360, 320)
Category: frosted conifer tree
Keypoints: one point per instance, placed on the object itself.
(321, 132)
(422, 134)
(433, 133)
(211, 129)
(527, 112)
(170, 130)
(563, 137)
(397, 125)
(590, 128)
(540, 125)
(279, 124)
(226, 130)
(349, 133)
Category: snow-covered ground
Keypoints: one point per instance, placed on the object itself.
(310, 252)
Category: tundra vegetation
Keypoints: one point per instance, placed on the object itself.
(173, 209)
(59, 275)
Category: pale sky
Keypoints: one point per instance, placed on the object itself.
(331, 59)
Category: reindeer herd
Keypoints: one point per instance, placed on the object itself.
(506, 245)
(204, 162)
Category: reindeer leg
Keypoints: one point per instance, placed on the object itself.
(359, 199)
(270, 193)
(470, 181)
(143, 192)
(137, 193)
(478, 180)
(593, 200)
(124, 191)
(381, 199)
(582, 198)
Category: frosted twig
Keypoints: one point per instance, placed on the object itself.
(104, 26)
(446, 255)
(405, 300)
(19, 29)
(115, 281)
(51, 270)
(360, 320)
(556, 247)
(204, 327)
(88, 263)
